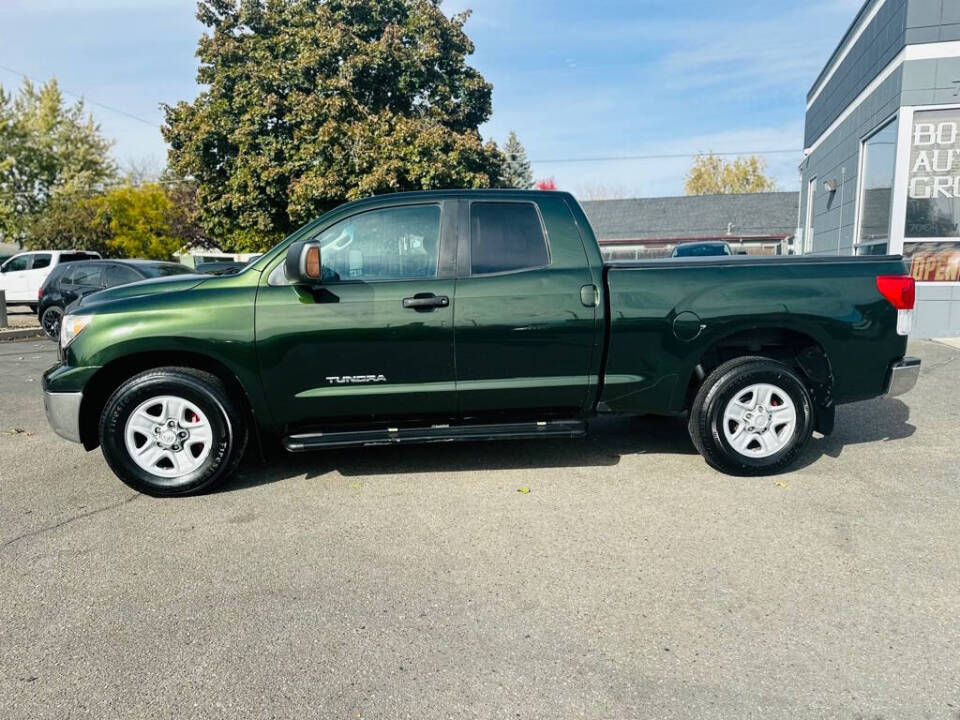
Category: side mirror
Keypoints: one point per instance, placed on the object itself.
(303, 262)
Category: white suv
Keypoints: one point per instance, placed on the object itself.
(22, 275)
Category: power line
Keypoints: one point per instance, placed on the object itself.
(86, 99)
(671, 156)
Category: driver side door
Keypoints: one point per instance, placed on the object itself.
(373, 339)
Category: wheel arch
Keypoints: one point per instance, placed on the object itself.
(109, 377)
(798, 349)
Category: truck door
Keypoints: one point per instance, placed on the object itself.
(374, 339)
(526, 324)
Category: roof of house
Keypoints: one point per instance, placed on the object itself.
(772, 214)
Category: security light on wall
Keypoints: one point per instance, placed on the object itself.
(830, 186)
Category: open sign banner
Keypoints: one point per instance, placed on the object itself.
(934, 261)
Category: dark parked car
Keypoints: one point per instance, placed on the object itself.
(220, 267)
(71, 281)
(702, 249)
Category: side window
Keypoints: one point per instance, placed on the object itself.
(389, 244)
(40, 261)
(119, 275)
(15, 264)
(505, 236)
(85, 275)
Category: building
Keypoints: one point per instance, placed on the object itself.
(881, 173)
(756, 223)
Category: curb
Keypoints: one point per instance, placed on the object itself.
(21, 334)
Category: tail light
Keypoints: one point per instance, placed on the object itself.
(40, 294)
(901, 292)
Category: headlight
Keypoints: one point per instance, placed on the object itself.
(71, 326)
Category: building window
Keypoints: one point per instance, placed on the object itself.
(933, 200)
(808, 226)
(878, 162)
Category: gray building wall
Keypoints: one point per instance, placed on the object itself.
(837, 157)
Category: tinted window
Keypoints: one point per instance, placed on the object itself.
(701, 250)
(84, 275)
(119, 275)
(394, 243)
(73, 257)
(504, 237)
(40, 261)
(18, 262)
(164, 270)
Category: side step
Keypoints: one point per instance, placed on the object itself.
(436, 433)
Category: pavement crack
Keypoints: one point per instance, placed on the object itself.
(40, 531)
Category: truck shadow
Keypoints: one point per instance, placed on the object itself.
(610, 439)
(879, 420)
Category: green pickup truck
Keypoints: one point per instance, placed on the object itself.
(471, 315)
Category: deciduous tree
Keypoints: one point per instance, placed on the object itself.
(46, 148)
(712, 175)
(307, 103)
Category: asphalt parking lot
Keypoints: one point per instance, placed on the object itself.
(419, 582)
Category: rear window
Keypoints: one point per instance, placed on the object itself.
(164, 270)
(506, 237)
(75, 256)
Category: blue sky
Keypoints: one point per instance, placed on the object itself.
(574, 79)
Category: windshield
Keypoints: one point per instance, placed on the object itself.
(701, 250)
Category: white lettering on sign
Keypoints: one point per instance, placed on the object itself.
(935, 165)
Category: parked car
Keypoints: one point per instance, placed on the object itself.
(71, 281)
(703, 249)
(23, 274)
(344, 335)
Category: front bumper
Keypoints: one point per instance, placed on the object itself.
(903, 376)
(63, 413)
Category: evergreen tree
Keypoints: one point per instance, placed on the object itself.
(516, 168)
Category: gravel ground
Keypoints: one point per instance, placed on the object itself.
(417, 582)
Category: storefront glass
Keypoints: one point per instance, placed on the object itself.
(933, 200)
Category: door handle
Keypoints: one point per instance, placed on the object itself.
(426, 301)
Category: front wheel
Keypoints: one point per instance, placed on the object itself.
(172, 431)
(752, 416)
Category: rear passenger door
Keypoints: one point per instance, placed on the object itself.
(116, 274)
(524, 335)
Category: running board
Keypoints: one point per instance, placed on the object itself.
(436, 433)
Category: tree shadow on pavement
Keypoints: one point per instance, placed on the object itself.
(609, 439)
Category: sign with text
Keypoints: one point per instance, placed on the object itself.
(933, 261)
(933, 201)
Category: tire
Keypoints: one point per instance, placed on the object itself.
(201, 449)
(50, 321)
(752, 416)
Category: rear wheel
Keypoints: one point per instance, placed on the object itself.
(172, 431)
(50, 321)
(752, 416)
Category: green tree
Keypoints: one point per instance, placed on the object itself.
(311, 102)
(712, 175)
(46, 148)
(145, 221)
(139, 220)
(516, 167)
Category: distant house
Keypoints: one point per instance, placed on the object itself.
(755, 223)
